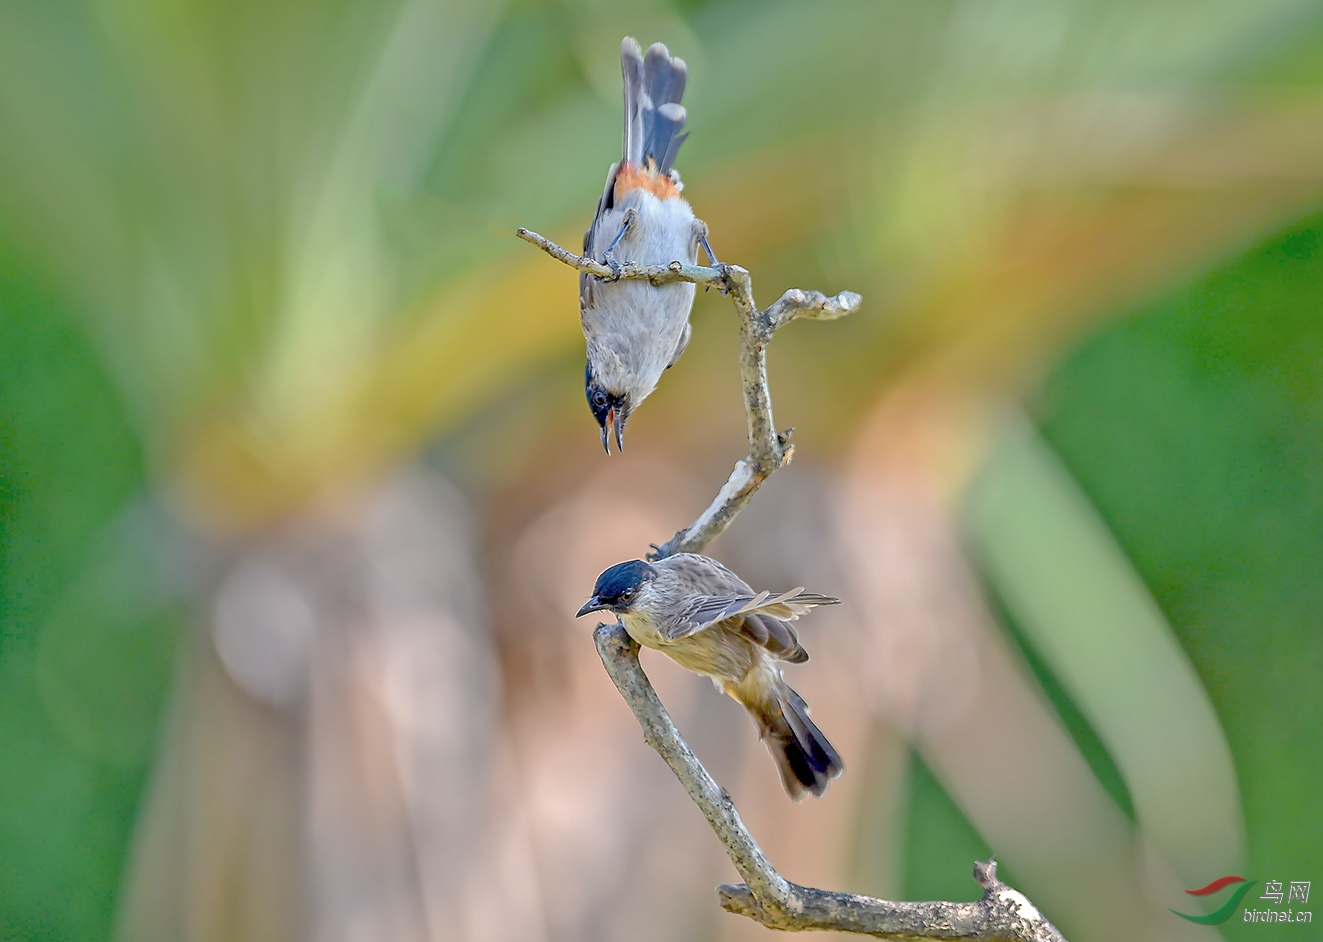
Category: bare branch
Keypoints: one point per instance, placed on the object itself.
(768, 450)
(657, 274)
(813, 305)
(765, 896)
(1002, 913)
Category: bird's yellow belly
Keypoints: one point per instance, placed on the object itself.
(714, 652)
(642, 630)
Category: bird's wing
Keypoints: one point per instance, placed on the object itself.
(680, 347)
(703, 611)
(775, 636)
(702, 575)
(590, 247)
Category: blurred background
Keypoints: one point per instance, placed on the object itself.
(299, 492)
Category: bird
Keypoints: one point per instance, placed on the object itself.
(636, 330)
(708, 620)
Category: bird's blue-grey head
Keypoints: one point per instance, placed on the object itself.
(618, 588)
(611, 409)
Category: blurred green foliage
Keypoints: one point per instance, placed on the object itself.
(1196, 426)
(940, 842)
(69, 462)
(166, 167)
(1195, 423)
(1082, 733)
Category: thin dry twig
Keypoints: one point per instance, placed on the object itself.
(1002, 913)
(768, 450)
(765, 896)
(657, 274)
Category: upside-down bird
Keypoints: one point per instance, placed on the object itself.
(636, 330)
(707, 619)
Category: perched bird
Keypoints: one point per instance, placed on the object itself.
(707, 619)
(636, 330)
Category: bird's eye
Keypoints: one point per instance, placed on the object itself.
(626, 595)
(599, 398)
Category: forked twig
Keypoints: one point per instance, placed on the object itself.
(768, 450)
(1002, 913)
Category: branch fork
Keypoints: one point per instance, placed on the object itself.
(1002, 914)
(768, 450)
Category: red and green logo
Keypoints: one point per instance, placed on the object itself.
(1223, 912)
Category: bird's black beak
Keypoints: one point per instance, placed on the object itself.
(594, 604)
(618, 417)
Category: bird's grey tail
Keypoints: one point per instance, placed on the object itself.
(654, 117)
(806, 760)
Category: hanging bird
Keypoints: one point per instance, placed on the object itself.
(636, 330)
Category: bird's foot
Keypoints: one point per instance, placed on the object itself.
(608, 257)
(618, 271)
(707, 247)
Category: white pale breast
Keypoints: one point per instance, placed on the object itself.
(633, 328)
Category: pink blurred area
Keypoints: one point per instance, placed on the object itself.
(393, 727)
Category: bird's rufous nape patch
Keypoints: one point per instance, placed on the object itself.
(647, 178)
